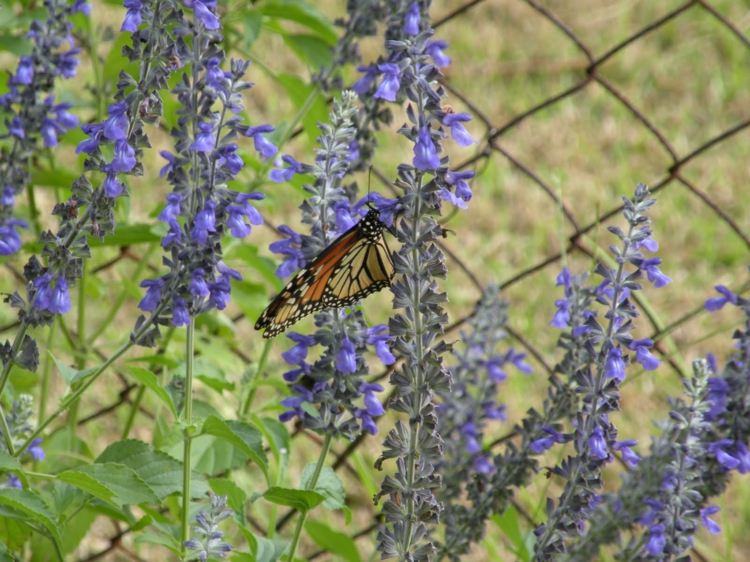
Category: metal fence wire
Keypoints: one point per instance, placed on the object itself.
(492, 147)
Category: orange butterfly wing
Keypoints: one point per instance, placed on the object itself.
(353, 266)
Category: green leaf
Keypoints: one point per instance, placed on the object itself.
(236, 497)
(151, 381)
(303, 94)
(69, 374)
(276, 433)
(315, 52)
(60, 178)
(303, 13)
(329, 486)
(9, 463)
(248, 254)
(114, 483)
(128, 235)
(162, 473)
(301, 500)
(509, 523)
(30, 507)
(263, 549)
(334, 542)
(241, 435)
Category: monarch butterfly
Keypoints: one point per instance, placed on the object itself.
(353, 266)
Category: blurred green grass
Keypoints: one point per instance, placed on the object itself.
(690, 77)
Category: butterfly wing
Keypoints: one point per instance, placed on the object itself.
(353, 266)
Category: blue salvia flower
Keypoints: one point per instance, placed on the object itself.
(663, 499)
(339, 400)
(208, 540)
(729, 399)
(539, 430)
(598, 381)
(30, 115)
(411, 510)
(201, 209)
(464, 413)
(113, 149)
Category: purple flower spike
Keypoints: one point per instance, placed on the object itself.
(124, 158)
(35, 449)
(643, 354)
(411, 19)
(204, 14)
(597, 444)
(372, 404)
(152, 298)
(614, 367)
(132, 17)
(346, 358)
(363, 85)
(10, 239)
(656, 540)
(389, 86)
(297, 354)
(717, 303)
(709, 523)
(25, 71)
(655, 275)
(112, 187)
(205, 139)
(435, 50)
(458, 132)
(378, 336)
(281, 175)
(115, 127)
(426, 157)
(263, 146)
(205, 223)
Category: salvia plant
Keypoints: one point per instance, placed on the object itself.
(172, 161)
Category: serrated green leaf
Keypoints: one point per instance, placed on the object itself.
(151, 381)
(301, 500)
(329, 486)
(236, 497)
(241, 435)
(114, 483)
(334, 542)
(162, 473)
(69, 374)
(30, 507)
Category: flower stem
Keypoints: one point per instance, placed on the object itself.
(253, 383)
(68, 400)
(188, 431)
(310, 485)
(6, 432)
(44, 392)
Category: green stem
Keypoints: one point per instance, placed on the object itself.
(33, 210)
(142, 389)
(72, 397)
(133, 411)
(6, 432)
(310, 486)
(46, 369)
(253, 382)
(122, 297)
(188, 431)
(80, 349)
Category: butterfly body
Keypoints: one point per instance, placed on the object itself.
(356, 264)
